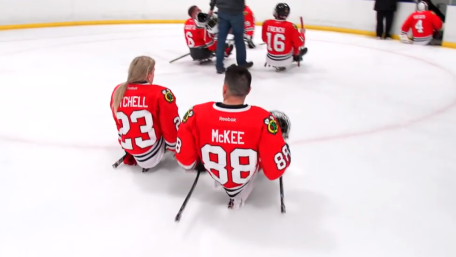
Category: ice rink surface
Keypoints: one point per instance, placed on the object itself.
(373, 142)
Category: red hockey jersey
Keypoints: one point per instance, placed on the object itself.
(230, 141)
(283, 38)
(145, 115)
(423, 25)
(249, 21)
(197, 37)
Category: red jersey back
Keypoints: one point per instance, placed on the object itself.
(423, 25)
(283, 38)
(249, 21)
(230, 141)
(147, 115)
(197, 37)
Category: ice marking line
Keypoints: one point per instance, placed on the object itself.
(388, 127)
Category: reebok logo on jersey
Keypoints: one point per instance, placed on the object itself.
(227, 119)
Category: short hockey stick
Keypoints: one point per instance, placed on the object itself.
(303, 30)
(179, 214)
(285, 126)
(178, 58)
(282, 201)
(117, 163)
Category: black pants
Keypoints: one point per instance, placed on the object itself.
(388, 17)
(200, 53)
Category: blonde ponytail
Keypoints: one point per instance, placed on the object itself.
(139, 69)
(118, 95)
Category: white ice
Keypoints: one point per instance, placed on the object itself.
(373, 142)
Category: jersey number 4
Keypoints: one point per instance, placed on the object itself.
(419, 26)
(276, 42)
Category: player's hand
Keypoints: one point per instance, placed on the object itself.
(129, 160)
(296, 58)
(210, 13)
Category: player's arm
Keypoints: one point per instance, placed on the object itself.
(264, 31)
(273, 151)
(407, 25)
(169, 118)
(186, 148)
(297, 39)
(437, 23)
(209, 39)
(118, 125)
(249, 20)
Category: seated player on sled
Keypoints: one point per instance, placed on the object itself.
(425, 25)
(285, 43)
(201, 35)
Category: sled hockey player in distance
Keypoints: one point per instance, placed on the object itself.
(285, 43)
(228, 139)
(249, 27)
(146, 116)
(201, 35)
(426, 27)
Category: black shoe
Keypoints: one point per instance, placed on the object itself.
(247, 65)
(222, 71)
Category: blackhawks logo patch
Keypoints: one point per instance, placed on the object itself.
(187, 115)
(245, 13)
(294, 25)
(271, 125)
(169, 97)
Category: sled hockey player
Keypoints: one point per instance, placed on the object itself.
(146, 115)
(228, 139)
(285, 43)
(249, 27)
(426, 27)
(201, 35)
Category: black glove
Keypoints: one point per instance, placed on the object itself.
(297, 58)
(200, 167)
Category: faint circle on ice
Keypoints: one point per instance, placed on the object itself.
(42, 139)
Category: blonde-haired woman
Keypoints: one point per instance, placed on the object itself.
(146, 115)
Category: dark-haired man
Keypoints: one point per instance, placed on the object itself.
(230, 138)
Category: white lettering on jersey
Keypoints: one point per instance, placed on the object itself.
(227, 119)
(228, 136)
(276, 29)
(134, 101)
(419, 16)
(190, 27)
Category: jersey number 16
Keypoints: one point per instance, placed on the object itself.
(276, 42)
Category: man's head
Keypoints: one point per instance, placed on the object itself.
(193, 10)
(237, 82)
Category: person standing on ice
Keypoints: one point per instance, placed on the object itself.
(231, 16)
(385, 12)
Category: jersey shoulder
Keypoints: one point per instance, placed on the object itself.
(203, 106)
(163, 92)
(199, 108)
(190, 24)
(189, 21)
(258, 111)
(114, 90)
(266, 119)
(291, 25)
